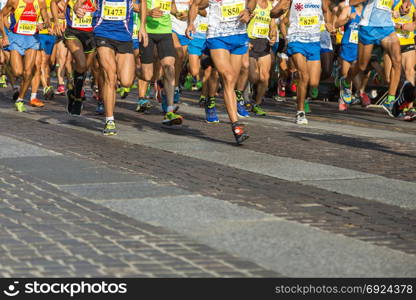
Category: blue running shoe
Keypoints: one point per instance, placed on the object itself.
(143, 105)
(100, 108)
(345, 91)
(241, 110)
(211, 111)
(177, 96)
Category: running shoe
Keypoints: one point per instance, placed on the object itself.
(341, 105)
(188, 82)
(124, 92)
(313, 92)
(3, 82)
(100, 108)
(406, 96)
(60, 90)
(258, 110)
(365, 100)
(293, 88)
(172, 118)
(143, 105)
(301, 118)
(387, 105)
(241, 110)
(239, 133)
(69, 100)
(133, 86)
(345, 91)
(151, 91)
(355, 99)
(48, 93)
(36, 103)
(307, 105)
(20, 106)
(83, 95)
(410, 115)
(110, 128)
(211, 111)
(202, 101)
(76, 107)
(198, 85)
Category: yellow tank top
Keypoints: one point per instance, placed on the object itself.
(405, 37)
(48, 9)
(259, 25)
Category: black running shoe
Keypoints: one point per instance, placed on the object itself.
(406, 96)
(76, 107)
(239, 133)
(69, 100)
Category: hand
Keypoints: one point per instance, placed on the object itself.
(273, 40)
(5, 41)
(189, 31)
(182, 16)
(396, 14)
(80, 12)
(58, 29)
(353, 15)
(329, 27)
(155, 13)
(61, 6)
(245, 16)
(143, 37)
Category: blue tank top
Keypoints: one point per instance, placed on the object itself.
(351, 29)
(377, 13)
(113, 19)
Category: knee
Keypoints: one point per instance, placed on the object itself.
(169, 70)
(229, 76)
(28, 73)
(304, 76)
(127, 82)
(264, 77)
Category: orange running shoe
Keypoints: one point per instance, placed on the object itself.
(36, 103)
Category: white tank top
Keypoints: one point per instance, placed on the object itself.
(223, 18)
(177, 25)
(305, 21)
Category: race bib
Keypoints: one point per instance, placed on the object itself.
(308, 20)
(85, 22)
(26, 27)
(203, 27)
(231, 10)
(260, 30)
(114, 11)
(354, 36)
(404, 34)
(164, 6)
(385, 4)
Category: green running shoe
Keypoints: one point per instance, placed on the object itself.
(307, 106)
(258, 111)
(188, 83)
(172, 118)
(20, 106)
(199, 85)
(110, 128)
(313, 92)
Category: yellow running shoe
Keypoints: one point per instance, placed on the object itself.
(20, 106)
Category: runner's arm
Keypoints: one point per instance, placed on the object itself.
(273, 31)
(280, 8)
(327, 15)
(7, 10)
(192, 13)
(55, 13)
(143, 37)
(44, 14)
(343, 16)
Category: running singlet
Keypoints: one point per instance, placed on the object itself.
(177, 25)
(24, 19)
(377, 13)
(136, 26)
(351, 29)
(113, 19)
(224, 19)
(305, 21)
(406, 37)
(161, 25)
(84, 23)
(201, 26)
(259, 25)
(48, 9)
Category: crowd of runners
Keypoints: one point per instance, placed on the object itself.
(242, 49)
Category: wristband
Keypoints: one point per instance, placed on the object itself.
(347, 2)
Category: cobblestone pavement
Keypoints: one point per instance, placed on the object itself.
(75, 203)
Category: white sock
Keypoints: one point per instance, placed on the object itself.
(300, 111)
(33, 96)
(109, 118)
(170, 108)
(19, 100)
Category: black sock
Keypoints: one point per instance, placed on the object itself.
(79, 79)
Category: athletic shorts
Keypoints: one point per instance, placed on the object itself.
(183, 40)
(407, 48)
(164, 44)
(349, 52)
(85, 37)
(312, 51)
(47, 42)
(197, 46)
(136, 44)
(236, 44)
(117, 46)
(21, 43)
(373, 35)
(261, 47)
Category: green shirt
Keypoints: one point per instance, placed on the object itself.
(158, 25)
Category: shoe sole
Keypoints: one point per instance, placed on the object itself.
(242, 139)
(173, 122)
(212, 122)
(110, 134)
(243, 116)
